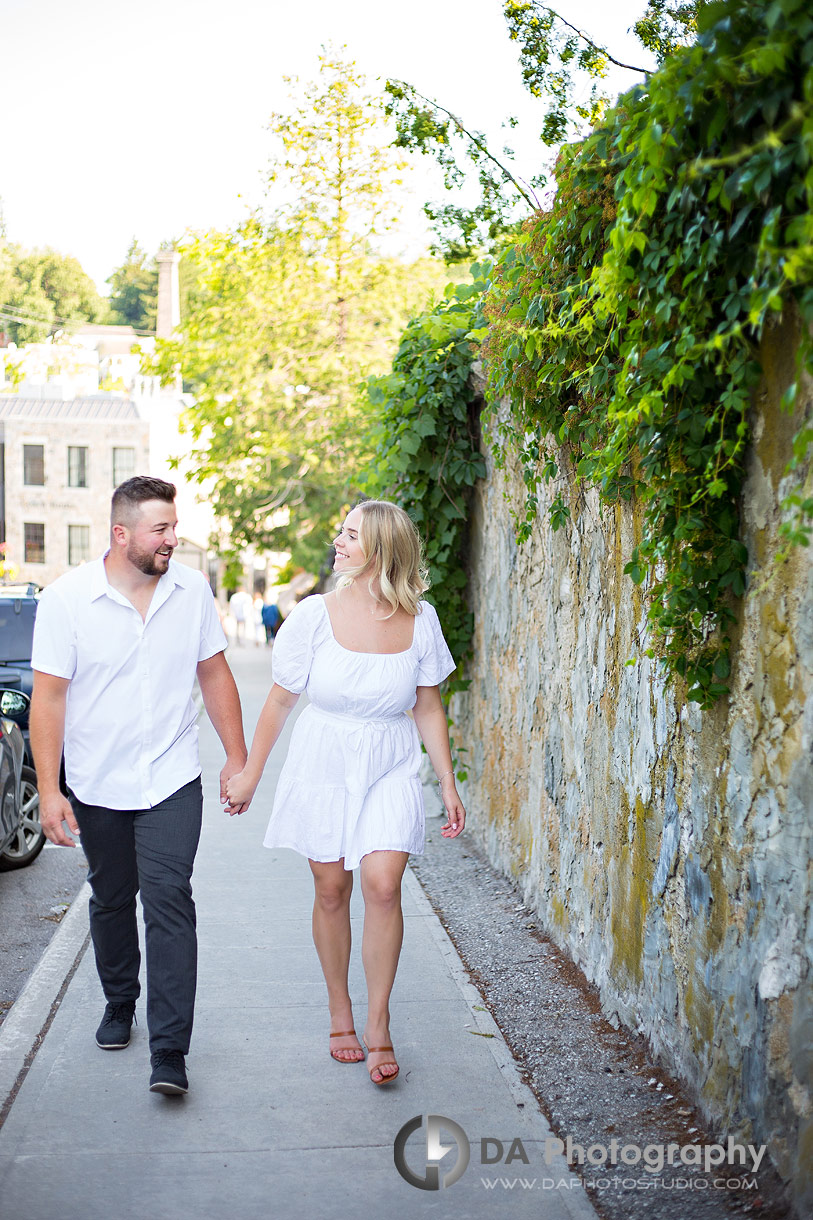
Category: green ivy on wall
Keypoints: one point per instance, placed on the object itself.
(427, 448)
(625, 323)
(624, 326)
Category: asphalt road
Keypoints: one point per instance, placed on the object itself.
(32, 902)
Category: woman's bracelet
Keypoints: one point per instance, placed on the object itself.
(443, 776)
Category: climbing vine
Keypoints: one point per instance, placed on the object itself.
(623, 327)
(427, 449)
(625, 323)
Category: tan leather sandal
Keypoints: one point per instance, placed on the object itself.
(378, 1066)
(348, 1033)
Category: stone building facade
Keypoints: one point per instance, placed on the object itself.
(665, 849)
(59, 462)
(80, 408)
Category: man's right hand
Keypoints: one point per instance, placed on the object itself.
(55, 811)
(46, 724)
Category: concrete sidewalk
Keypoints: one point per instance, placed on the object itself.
(272, 1128)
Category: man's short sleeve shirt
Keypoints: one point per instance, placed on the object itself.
(131, 735)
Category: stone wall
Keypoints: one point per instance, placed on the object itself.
(666, 849)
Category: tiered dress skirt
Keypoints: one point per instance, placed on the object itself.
(350, 782)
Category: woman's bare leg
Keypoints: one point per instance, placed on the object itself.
(381, 874)
(333, 886)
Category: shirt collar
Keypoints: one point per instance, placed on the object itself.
(100, 586)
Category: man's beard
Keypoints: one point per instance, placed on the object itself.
(145, 561)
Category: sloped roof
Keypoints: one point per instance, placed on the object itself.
(90, 406)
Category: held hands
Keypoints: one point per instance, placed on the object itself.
(237, 792)
(456, 818)
(55, 811)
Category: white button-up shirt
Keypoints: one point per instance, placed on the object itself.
(131, 734)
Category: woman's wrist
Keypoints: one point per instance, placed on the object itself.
(251, 774)
(445, 776)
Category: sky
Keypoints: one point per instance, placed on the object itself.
(149, 118)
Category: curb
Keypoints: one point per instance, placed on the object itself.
(32, 1012)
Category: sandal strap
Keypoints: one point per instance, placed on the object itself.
(378, 1048)
(346, 1034)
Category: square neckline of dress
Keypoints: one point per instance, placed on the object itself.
(359, 653)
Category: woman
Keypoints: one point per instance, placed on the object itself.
(349, 793)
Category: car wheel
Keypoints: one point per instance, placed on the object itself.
(30, 839)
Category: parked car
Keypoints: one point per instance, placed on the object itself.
(21, 837)
(18, 609)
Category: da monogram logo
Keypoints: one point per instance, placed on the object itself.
(432, 1151)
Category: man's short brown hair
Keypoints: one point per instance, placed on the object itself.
(130, 495)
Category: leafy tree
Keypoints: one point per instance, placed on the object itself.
(425, 126)
(44, 291)
(134, 290)
(666, 26)
(557, 61)
(292, 309)
(134, 287)
(6, 269)
(337, 180)
(29, 313)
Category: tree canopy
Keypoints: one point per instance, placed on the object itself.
(293, 308)
(134, 287)
(567, 70)
(134, 290)
(43, 291)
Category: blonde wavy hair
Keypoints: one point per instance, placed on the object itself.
(391, 543)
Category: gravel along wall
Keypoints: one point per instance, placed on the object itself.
(665, 849)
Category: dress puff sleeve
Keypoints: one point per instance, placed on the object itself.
(293, 646)
(435, 662)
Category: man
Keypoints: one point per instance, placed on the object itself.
(117, 646)
(242, 608)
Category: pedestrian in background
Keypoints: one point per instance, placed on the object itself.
(350, 793)
(118, 644)
(271, 620)
(242, 609)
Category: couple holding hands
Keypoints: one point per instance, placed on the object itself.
(118, 644)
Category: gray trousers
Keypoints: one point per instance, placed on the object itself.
(151, 851)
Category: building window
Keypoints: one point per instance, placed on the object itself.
(34, 465)
(78, 544)
(77, 466)
(34, 542)
(123, 465)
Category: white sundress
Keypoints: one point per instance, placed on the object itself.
(350, 782)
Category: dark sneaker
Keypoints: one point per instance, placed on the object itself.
(168, 1073)
(114, 1032)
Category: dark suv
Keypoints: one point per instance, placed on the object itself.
(21, 835)
(18, 609)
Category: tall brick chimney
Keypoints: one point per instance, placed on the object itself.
(169, 297)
